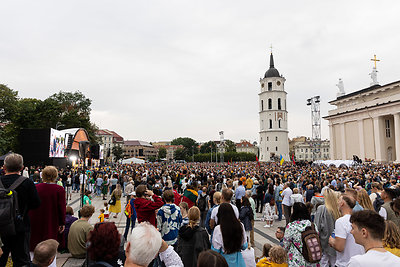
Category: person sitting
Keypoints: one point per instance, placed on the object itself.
(391, 239)
(192, 239)
(265, 252)
(78, 233)
(277, 257)
(368, 229)
(144, 244)
(104, 247)
(210, 258)
(44, 253)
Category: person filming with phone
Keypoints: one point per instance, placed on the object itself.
(146, 204)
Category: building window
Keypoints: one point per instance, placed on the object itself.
(279, 103)
(262, 124)
(269, 86)
(387, 128)
(267, 148)
(279, 123)
(301, 150)
(276, 138)
(270, 124)
(269, 103)
(276, 148)
(306, 150)
(262, 105)
(267, 138)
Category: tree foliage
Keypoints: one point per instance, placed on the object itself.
(208, 147)
(69, 109)
(190, 146)
(180, 154)
(228, 157)
(162, 153)
(117, 152)
(230, 146)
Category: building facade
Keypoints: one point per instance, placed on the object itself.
(311, 151)
(273, 116)
(109, 139)
(247, 147)
(139, 149)
(366, 123)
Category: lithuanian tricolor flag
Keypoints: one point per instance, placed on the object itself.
(190, 197)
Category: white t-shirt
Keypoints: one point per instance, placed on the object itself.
(286, 196)
(374, 258)
(342, 230)
(373, 197)
(217, 240)
(383, 213)
(215, 212)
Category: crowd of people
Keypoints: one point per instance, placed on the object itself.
(202, 214)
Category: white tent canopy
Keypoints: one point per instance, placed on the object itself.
(132, 160)
(336, 163)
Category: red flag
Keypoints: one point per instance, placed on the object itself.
(258, 161)
(293, 159)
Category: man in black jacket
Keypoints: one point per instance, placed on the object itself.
(28, 199)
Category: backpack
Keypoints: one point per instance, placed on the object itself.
(311, 249)
(9, 211)
(202, 203)
(378, 202)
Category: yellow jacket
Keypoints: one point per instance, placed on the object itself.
(264, 262)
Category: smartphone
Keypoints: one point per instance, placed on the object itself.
(333, 234)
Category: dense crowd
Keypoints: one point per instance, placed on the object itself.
(202, 214)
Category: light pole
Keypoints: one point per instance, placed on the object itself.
(314, 102)
(82, 153)
(222, 145)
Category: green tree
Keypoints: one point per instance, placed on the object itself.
(8, 103)
(190, 146)
(117, 152)
(162, 153)
(208, 147)
(230, 146)
(180, 154)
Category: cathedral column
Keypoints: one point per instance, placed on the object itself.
(378, 138)
(361, 139)
(343, 137)
(332, 148)
(396, 118)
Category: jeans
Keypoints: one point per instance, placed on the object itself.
(129, 222)
(279, 208)
(288, 211)
(98, 190)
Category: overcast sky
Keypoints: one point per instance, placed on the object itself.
(156, 70)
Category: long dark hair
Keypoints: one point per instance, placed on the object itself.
(231, 229)
(300, 212)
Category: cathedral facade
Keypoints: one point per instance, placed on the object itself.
(273, 114)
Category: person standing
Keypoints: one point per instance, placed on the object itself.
(48, 220)
(78, 233)
(344, 242)
(130, 213)
(146, 204)
(278, 198)
(169, 219)
(99, 184)
(286, 202)
(368, 229)
(116, 207)
(239, 193)
(202, 204)
(28, 199)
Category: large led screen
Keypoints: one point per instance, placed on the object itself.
(57, 144)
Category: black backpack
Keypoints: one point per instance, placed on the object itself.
(202, 203)
(378, 202)
(9, 211)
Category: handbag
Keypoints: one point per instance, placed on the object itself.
(113, 200)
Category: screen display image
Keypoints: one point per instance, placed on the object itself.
(101, 152)
(57, 144)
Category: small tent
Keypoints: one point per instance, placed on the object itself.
(132, 161)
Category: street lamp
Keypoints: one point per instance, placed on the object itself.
(314, 102)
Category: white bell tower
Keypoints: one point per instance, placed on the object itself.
(273, 116)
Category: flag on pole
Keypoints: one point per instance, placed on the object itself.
(258, 163)
(293, 159)
(281, 160)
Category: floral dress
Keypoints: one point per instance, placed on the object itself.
(269, 212)
(293, 235)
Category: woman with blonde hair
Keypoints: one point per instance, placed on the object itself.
(325, 219)
(391, 239)
(48, 221)
(364, 200)
(115, 201)
(192, 239)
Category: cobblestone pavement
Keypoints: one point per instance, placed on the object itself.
(261, 235)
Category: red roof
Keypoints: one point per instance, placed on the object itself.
(116, 137)
(244, 144)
